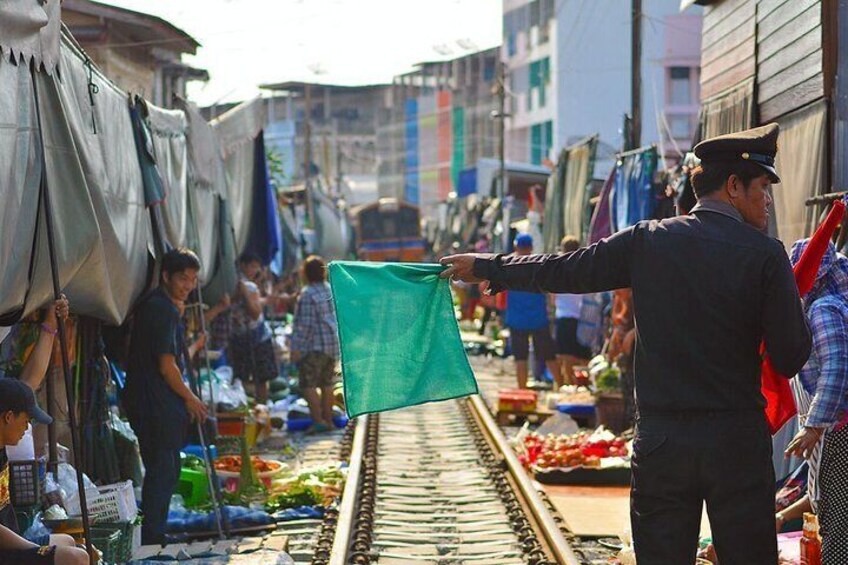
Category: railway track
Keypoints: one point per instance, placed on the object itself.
(438, 484)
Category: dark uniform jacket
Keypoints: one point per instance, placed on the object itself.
(707, 289)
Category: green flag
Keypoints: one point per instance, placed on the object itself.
(399, 338)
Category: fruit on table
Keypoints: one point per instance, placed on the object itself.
(582, 449)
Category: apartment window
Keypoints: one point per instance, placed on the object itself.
(680, 126)
(681, 86)
(540, 72)
(541, 141)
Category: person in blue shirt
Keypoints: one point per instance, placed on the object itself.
(527, 317)
(159, 404)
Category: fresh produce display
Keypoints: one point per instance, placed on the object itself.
(311, 487)
(575, 395)
(584, 449)
(232, 464)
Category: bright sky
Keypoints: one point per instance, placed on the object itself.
(250, 42)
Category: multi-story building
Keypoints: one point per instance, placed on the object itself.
(569, 74)
(343, 126)
(139, 52)
(437, 122)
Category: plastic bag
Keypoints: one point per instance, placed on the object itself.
(53, 492)
(558, 424)
(67, 479)
(37, 530)
(128, 451)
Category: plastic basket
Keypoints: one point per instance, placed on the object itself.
(24, 483)
(113, 503)
(193, 486)
(116, 540)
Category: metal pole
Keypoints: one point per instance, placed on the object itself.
(307, 153)
(636, 72)
(63, 338)
(502, 131)
(221, 521)
(206, 352)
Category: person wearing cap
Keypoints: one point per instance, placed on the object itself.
(526, 317)
(17, 409)
(708, 288)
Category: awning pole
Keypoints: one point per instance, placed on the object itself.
(60, 325)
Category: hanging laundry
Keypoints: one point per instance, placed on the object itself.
(601, 224)
(400, 343)
(632, 198)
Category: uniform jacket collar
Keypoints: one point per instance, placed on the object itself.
(719, 207)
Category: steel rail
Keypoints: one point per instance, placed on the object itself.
(350, 495)
(557, 543)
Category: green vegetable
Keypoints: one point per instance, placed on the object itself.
(194, 463)
(299, 494)
(609, 380)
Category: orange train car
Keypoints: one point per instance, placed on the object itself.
(388, 230)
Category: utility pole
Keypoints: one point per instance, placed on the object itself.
(338, 169)
(501, 117)
(307, 152)
(636, 73)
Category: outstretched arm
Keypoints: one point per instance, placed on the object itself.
(606, 265)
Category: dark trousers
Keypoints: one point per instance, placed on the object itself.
(161, 474)
(680, 462)
(833, 497)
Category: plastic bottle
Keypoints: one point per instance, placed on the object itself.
(810, 541)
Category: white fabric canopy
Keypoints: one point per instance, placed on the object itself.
(29, 31)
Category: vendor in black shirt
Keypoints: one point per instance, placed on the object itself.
(158, 403)
(708, 288)
(17, 409)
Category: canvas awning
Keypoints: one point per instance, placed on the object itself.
(30, 31)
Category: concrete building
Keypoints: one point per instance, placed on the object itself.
(569, 75)
(343, 122)
(139, 52)
(436, 123)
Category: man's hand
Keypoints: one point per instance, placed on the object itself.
(461, 267)
(196, 409)
(804, 442)
(225, 302)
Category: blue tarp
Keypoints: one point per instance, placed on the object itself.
(264, 238)
(410, 183)
(632, 198)
(467, 182)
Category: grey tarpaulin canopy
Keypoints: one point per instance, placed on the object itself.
(567, 198)
(168, 129)
(20, 171)
(29, 32)
(102, 230)
(211, 230)
(236, 131)
(206, 181)
(102, 233)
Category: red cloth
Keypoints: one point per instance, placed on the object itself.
(780, 404)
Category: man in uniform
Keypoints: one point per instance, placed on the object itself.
(708, 288)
